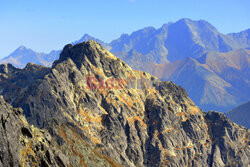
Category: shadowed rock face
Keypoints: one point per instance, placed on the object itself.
(24, 145)
(114, 124)
(240, 114)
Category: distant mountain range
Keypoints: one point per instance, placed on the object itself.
(175, 41)
(213, 67)
(171, 42)
(215, 81)
(22, 56)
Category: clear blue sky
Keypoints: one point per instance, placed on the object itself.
(44, 25)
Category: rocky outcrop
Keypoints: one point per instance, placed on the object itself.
(100, 111)
(25, 145)
(230, 146)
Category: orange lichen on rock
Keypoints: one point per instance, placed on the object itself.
(126, 101)
(183, 116)
(26, 152)
(194, 109)
(134, 118)
(168, 130)
(72, 139)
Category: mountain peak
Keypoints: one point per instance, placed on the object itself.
(89, 51)
(87, 37)
(124, 36)
(197, 23)
(144, 31)
(185, 20)
(70, 47)
(22, 48)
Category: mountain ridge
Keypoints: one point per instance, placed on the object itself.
(162, 34)
(23, 55)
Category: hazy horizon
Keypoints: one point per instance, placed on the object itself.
(44, 25)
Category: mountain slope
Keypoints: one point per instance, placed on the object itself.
(233, 67)
(85, 98)
(240, 114)
(242, 38)
(204, 87)
(216, 81)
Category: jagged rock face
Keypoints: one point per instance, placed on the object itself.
(86, 104)
(226, 135)
(24, 145)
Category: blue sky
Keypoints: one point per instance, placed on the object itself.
(44, 25)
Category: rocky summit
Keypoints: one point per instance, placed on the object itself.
(100, 112)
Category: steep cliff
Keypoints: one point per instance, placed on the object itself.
(25, 145)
